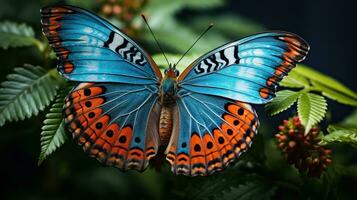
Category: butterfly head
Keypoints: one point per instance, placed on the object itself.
(172, 72)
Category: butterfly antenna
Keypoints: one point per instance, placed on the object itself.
(157, 42)
(204, 32)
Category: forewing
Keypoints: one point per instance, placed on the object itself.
(209, 133)
(247, 70)
(90, 49)
(115, 123)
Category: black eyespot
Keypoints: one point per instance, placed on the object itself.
(209, 145)
(229, 131)
(99, 125)
(91, 114)
(88, 104)
(122, 139)
(197, 148)
(240, 111)
(235, 122)
(221, 140)
(137, 140)
(110, 133)
(87, 92)
(184, 145)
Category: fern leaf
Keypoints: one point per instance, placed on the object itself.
(16, 35)
(53, 134)
(311, 109)
(250, 190)
(284, 99)
(26, 92)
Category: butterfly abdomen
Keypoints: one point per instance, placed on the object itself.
(165, 125)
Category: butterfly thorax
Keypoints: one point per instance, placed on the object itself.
(167, 96)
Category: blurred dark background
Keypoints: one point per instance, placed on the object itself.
(328, 26)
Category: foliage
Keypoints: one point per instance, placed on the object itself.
(53, 134)
(344, 132)
(311, 109)
(313, 88)
(173, 58)
(250, 190)
(16, 35)
(168, 29)
(284, 99)
(26, 92)
(340, 134)
(306, 77)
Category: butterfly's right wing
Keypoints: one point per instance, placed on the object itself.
(247, 70)
(209, 133)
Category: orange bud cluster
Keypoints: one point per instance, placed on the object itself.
(302, 151)
(124, 9)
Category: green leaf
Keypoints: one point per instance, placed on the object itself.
(294, 80)
(257, 190)
(311, 109)
(53, 134)
(16, 35)
(284, 99)
(324, 80)
(334, 94)
(340, 134)
(26, 92)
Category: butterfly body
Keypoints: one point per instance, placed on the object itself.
(167, 96)
(123, 109)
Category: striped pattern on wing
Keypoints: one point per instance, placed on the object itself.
(122, 46)
(247, 70)
(217, 61)
(115, 123)
(90, 49)
(209, 133)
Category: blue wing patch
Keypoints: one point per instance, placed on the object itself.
(247, 70)
(90, 49)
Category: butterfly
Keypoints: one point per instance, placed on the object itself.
(123, 109)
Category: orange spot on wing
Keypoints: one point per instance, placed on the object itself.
(213, 157)
(68, 67)
(136, 154)
(264, 93)
(223, 146)
(198, 164)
